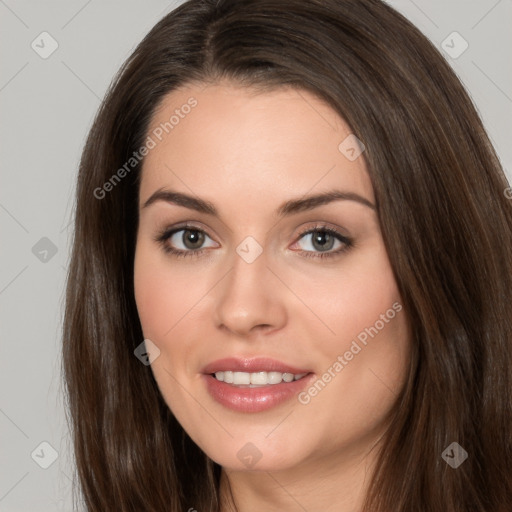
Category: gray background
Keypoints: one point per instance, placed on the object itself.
(47, 107)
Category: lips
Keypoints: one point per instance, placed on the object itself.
(252, 365)
(253, 398)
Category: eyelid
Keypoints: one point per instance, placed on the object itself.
(184, 226)
(322, 226)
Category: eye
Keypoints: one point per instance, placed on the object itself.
(324, 239)
(183, 241)
(187, 241)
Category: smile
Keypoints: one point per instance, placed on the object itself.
(254, 384)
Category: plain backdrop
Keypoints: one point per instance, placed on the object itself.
(47, 105)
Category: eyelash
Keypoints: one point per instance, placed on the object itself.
(164, 235)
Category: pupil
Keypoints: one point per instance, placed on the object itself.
(321, 239)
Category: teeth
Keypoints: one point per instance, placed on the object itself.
(257, 378)
(274, 377)
(241, 378)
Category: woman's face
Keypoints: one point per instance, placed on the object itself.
(254, 294)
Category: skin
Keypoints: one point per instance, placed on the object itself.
(248, 152)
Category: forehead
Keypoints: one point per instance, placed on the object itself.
(234, 141)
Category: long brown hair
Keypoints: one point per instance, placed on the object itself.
(445, 219)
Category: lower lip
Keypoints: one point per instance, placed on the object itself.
(254, 399)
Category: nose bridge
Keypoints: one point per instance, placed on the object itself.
(250, 265)
(248, 296)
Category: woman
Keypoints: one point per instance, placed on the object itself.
(290, 286)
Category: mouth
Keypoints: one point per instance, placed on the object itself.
(253, 385)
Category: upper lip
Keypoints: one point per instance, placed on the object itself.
(251, 365)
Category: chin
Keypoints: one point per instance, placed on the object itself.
(249, 454)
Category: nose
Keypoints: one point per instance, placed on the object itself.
(250, 299)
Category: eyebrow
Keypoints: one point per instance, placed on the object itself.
(290, 207)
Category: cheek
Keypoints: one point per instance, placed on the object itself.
(349, 298)
(163, 292)
(360, 319)
(362, 363)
